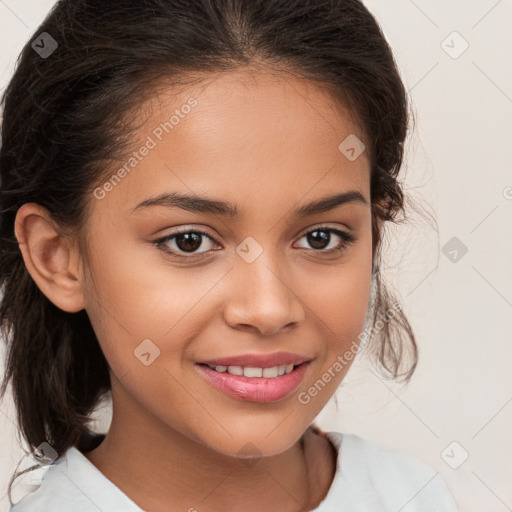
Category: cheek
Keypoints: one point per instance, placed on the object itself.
(341, 306)
(347, 305)
(342, 296)
(140, 295)
(135, 301)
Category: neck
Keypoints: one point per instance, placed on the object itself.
(140, 453)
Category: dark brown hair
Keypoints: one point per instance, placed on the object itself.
(66, 118)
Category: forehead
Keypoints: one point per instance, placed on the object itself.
(243, 135)
(232, 104)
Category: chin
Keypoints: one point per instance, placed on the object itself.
(251, 442)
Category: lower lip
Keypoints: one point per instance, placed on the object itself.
(255, 389)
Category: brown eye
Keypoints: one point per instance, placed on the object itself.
(188, 242)
(184, 242)
(320, 238)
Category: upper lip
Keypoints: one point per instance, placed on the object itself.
(258, 360)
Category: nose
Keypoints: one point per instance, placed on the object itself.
(262, 297)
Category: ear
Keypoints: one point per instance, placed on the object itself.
(51, 258)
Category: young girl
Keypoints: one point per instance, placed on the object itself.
(193, 198)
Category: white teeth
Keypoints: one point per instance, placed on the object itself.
(235, 370)
(270, 373)
(252, 371)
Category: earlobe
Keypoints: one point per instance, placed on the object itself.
(49, 257)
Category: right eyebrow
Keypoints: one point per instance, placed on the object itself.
(190, 203)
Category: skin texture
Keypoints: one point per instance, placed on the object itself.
(269, 144)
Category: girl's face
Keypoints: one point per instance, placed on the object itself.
(263, 282)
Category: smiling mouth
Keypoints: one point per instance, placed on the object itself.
(254, 371)
(255, 383)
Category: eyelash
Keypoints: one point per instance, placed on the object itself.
(347, 238)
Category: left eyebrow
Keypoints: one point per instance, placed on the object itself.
(194, 203)
(330, 202)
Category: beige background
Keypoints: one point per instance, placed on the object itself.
(458, 163)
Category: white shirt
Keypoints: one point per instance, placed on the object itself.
(369, 478)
